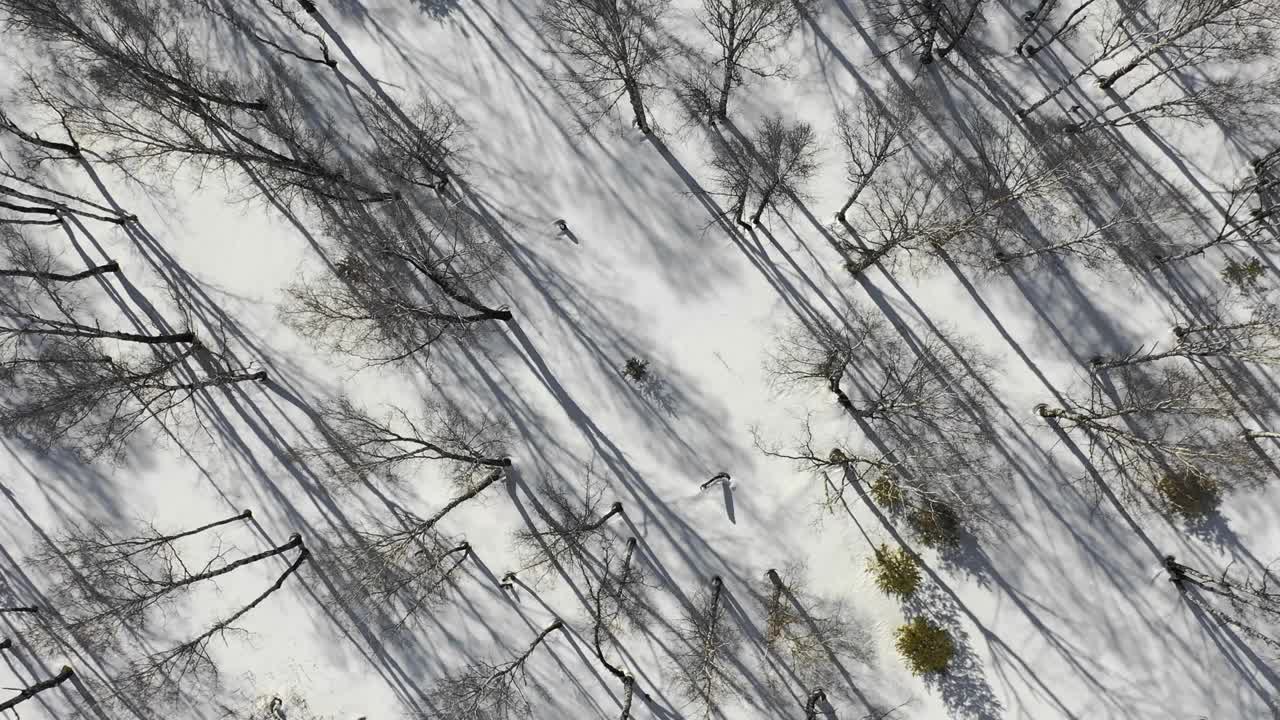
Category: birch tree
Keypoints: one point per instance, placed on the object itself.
(1249, 603)
(746, 34)
(706, 641)
(487, 690)
(1242, 223)
(618, 599)
(70, 393)
(1161, 434)
(1251, 339)
(22, 258)
(929, 29)
(613, 49)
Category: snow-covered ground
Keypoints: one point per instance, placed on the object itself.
(1063, 611)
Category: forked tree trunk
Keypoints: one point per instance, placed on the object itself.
(38, 688)
(764, 203)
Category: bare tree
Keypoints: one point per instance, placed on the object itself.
(417, 147)
(931, 458)
(404, 281)
(29, 692)
(398, 571)
(1162, 430)
(746, 33)
(365, 446)
(23, 259)
(929, 28)
(287, 154)
(811, 636)
(1243, 101)
(775, 164)
(612, 48)
(707, 640)
(1241, 224)
(873, 133)
(575, 528)
(1041, 14)
(162, 677)
(489, 691)
(106, 584)
(1198, 31)
(71, 394)
(134, 46)
(1249, 604)
(274, 707)
(617, 599)
(964, 207)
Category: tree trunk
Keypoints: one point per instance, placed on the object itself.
(111, 267)
(5, 643)
(489, 479)
(1022, 113)
(71, 329)
(853, 197)
(1106, 82)
(1259, 434)
(871, 258)
(1066, 25)
(764, 202)
(930, 34)
(555, 625)
(38, 688)
(72, 150)
(637, 105)
(30, 609)
(215, 381)
(739, 209)
(726, 85)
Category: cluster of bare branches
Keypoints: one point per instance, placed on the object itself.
(108, 585)
(397, 571)
(811, 636)
(920, 403)
(575, 529)
(406, 277)
(928, 29)
(487, 690)
(617, 599)
(1249, 216)
(1254, 338)
(612, 49)
(1155, 43)
(703, 658)
(363, 446)
(746, 33)
(1164, 434)
(774, 165)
